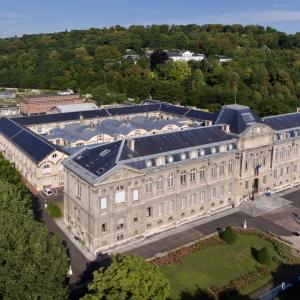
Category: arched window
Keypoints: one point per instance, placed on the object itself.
(183, 177)
(170, 180)
(149, 185)
(230, 166)
(214, 170)
(193, 175)
(202, 172)
(222, 168)
(160, 183)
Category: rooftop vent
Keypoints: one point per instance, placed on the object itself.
(104, 152)
(130, 144)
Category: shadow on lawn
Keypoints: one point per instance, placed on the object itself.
(285, 272)
(199, 294)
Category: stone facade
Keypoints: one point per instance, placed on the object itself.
(130, 204)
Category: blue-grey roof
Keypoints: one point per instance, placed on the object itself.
(90, 164)
(239, 117)
(36, 147)
(117, 111)
(160, 143)
(97, 160)
(281, 122)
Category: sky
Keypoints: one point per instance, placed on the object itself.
(18, 17)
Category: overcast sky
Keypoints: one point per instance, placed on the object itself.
(34, 16)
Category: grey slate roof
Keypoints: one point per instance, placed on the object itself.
(281, 122)
(90, 164)
(172, 141)
(33, 145)
(239, 117)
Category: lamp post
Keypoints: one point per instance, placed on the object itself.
(245, 224)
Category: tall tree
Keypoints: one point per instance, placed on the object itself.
(33, 263)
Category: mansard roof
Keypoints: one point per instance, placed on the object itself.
(92, 163)
(239, 117)
(282, 122)
(33, 145)
(153, 106)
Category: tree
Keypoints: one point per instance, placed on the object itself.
(13, 200)
(128, 277)
(158, 57)
(229, 236)
(33, 263)
(263, 256)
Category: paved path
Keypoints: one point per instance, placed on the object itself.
(190, 235)
(78, 261)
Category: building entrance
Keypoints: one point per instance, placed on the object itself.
(255, 185)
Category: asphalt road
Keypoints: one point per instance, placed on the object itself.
(190, 235)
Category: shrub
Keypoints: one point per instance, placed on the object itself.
(229, 236)
(263, 256)
(54, 210)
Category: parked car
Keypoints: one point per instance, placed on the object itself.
(48, 192)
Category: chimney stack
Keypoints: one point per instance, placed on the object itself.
(130, 144)
(81, 119)
(207, 123)
(226, 128)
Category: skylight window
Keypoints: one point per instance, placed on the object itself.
(104, 152)
(248, 117)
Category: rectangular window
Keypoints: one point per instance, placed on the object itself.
(78, 189)
(183, 202)
(295, 168)
(246, 185)
(287, 170)
(160, 209)
(121, 224)
(193, 200)
(222, 191)
(202, 196)
(171, 206)
(149, 211)
(275, 174)
(230, 188)
(103, 228)
(246, 166)
(264, 179)
(103, 202)
(214, 192)
(119, 197)
(135, 195)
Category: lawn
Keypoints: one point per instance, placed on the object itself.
(217, 265)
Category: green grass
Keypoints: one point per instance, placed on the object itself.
(53, 210)
(217, 265)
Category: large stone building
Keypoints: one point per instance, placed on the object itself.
(37, 144)
(39, 161)
(126, 190)
(41, 104)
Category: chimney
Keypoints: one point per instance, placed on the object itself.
(81, 119)
(226, 128)
(130, 144)
(207, 123)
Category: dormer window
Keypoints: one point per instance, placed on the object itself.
(193, 154)
(213, 150)
(288, 135)
(148, 163)
(170, 158)
(202, 152)
(160, 161)
(230, 147)
(222, 148)
(182, 156)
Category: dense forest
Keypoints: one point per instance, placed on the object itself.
(265, 66)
